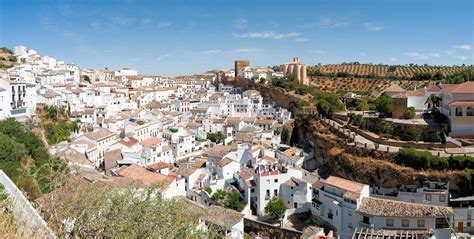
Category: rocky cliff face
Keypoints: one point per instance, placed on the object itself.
(373, 168)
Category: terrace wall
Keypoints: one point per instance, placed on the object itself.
(26, 216)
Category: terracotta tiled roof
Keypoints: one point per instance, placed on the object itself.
(111, 157)
(100, 134)
(158, 166)
(225, 161)
(394, 88)
(146, 177)
(217, 151)
(128, 141)
(391, 208)
(344, 184)
(462, 103)
(245, 173)
(151, 142)
(465, 88)
(293, 182)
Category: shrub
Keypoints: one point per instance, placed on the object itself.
(208, 190)
(384, 104)
(425, 160)
(409, 113)
(276, 207)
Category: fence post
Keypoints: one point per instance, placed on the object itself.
(388, 149)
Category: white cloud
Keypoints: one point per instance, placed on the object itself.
(363, 54)
(393, 59)
(319, 51)
(163, 57)
(121, 20)
(324, 22)
(463, 58)
(245, 50)
(96, 26)
(464, 47)
(302, 39)
(269, 34)
(449, 52)
(210, 51)
(240, 23)
(373, 26)
(164, 24)
(416, 55)
(435, 55)
(146, 21)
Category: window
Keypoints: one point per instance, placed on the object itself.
(276, 180)
(441, 223)
(420, 223)
(366, 220)
(389, 222)
(428, 197)
(275, 192)
(442, 198)
(268, 193)
(470, 111)
(468, 224)
(330, 214)
(350, 226)
(458, 111)
(405, 223)
(349, 213)
(252, 190)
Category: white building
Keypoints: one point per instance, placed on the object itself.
(335, 200)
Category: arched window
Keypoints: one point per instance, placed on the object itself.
(458, 111)
(470, 111)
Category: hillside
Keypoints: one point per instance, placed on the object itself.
(385, 71)
(371, 167)
(361, 85)
(7, 59)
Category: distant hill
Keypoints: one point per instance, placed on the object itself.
(383, 71)
(7, 59)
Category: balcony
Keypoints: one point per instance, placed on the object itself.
(19, 111)
(365, 225)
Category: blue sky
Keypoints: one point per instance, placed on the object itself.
(184, 37)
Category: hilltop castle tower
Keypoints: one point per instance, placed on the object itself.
(296, 68)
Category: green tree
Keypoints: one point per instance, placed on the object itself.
(276, 207)
(362, 105)
(384, 104)
(10, 150)
(87, 79)
(409, 113)
(433, 101)
(416, 133)
(324, 108)
(216, 137)
(233, 202)
(387, 128)
(125, 213)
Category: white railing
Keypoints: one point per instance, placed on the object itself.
(25, 214)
